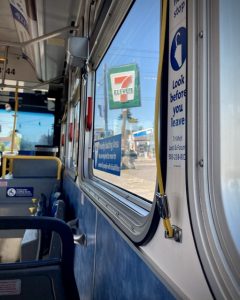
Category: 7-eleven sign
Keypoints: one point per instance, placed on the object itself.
(124, 87)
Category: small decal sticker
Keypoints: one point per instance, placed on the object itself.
(10, 287)
(19, 192)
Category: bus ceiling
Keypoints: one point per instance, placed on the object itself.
(33, 40)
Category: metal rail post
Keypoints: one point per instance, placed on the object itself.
(15, 118)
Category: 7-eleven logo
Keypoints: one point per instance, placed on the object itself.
(122, 85)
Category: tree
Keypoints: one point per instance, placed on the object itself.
(45, 139)
(26, 144)
(129, 116)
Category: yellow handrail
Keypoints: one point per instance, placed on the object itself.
(28, 157)
(15, 119)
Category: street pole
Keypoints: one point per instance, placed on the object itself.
(124, 121)
(105, 98)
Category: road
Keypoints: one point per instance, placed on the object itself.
(140, 181)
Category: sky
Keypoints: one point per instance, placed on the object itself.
(136, 42)
(30, 125)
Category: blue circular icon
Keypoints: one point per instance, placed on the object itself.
(179, 49)
(11, 192)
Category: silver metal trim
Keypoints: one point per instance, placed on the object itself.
(39, 38)
(116, 13)
(204, 208)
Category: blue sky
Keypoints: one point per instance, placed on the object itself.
(136, 42)
(30, 125)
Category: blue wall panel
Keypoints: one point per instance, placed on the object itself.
(84, 255)
(119, 271)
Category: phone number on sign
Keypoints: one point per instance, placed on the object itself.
(177, 156)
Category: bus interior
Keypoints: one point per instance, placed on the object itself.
(119, 149)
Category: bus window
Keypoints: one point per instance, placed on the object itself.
(73, 121)
(41, 124)
(229, 115)
(76, 112)
(125, 87)
(63, 142)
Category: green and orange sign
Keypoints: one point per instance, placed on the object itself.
(123, 83)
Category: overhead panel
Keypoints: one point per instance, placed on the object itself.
(33, 39)
(33, 19)
(25, 18)
(58, 16)
(7, 26)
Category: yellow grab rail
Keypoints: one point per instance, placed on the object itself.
(28, 157)
(15, 119)
(166, 219)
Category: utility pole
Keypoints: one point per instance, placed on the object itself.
(105, 98)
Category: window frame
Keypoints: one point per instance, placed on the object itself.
(136, 217)
(137, 199)
(214, 134)
(74, 96)
(211, 234)
(76, 127)
(63, 147)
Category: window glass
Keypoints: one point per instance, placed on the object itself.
(63, 142)
(123, 146)
(76, 133)
(73, 135)
(31, 129)
(230, 113)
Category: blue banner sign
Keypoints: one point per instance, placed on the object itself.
(107, 154)
(19, 192)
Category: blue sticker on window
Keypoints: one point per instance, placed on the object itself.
(107, 154)
(19, 192)
(179, 49)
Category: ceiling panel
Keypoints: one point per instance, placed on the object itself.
(47, 58)
(55, 18)
(7, 26)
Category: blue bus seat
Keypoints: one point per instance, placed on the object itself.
(37, 244)
(30, 245)
(25, 168)
(58, 211)
(43, 279)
